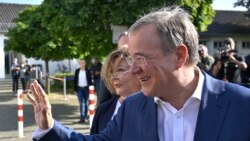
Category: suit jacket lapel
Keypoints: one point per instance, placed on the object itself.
(149, 120)
(212, 111)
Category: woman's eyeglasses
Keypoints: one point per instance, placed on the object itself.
(118, 74)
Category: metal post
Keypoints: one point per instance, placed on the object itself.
(91, 104)
(65, 89)
(20, 113)
(36, 72)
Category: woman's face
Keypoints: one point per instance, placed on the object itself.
(122, 80)
(82, 64)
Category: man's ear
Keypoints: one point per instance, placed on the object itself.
(181, 54)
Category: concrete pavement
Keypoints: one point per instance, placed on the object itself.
(65, 111)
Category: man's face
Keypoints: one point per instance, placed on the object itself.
(93, 61)
(122, 41)
(229, 47)
(201, 52)
(156, 75)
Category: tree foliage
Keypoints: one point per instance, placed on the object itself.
(64, 29)
(244, 3)
(57, 30)
(201, 11)
(89, 22)
(31, 38)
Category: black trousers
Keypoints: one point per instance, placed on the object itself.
(23, 81)
(15, 84)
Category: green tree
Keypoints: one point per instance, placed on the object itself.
(201, 11)
(31, 38)
(89, 22)
(64, 29)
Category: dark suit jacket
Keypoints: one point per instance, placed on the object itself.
(224, 115)
(103, 115)
(104, 93)
(76, 78)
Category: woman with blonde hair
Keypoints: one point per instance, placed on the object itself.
(119, 81)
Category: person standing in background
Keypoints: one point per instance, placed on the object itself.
(82, 80)
(15, 73)
(27, 73)
(229, 64)
(22, 76)
(122, 40)
(205, 60)
(96, 74)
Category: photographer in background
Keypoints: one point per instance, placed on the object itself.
(228, 64)
(205, 60)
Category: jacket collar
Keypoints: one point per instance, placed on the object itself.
(149, 119)
(212, 110)
(211, 114)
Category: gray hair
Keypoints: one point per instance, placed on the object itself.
(174, 27)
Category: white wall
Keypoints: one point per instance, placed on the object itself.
(2, 57)
(238, 39)
(53, 65)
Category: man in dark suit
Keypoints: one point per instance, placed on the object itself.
(178, 101)
(81, 84)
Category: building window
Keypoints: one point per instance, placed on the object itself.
(246, 44)
(218, 44)
(203, 42)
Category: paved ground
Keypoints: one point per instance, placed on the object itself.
(65, 111)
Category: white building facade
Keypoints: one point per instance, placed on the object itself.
(2, 57)
(7, 57)
(7, 13)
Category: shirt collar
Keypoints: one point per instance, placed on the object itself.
(198, 91)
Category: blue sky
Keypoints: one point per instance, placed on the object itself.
(217, 4)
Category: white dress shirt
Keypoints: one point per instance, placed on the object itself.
(82, 79)
(39, 133)
(118, 105)
(179, 125)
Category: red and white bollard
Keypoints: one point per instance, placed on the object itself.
(91, 104)
(20, 113)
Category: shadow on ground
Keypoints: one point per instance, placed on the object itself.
(9, 115)
(4, 97)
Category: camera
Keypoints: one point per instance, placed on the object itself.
(224, 56)
(224, 53)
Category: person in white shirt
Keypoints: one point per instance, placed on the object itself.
(82, 80)
(178, 102)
